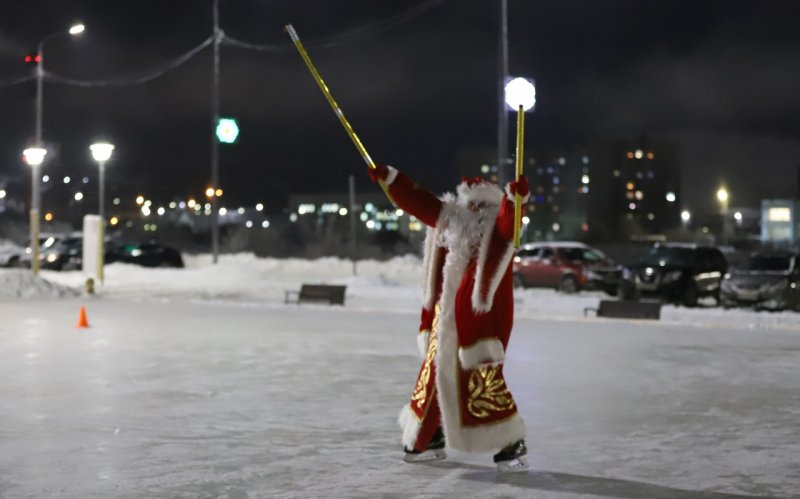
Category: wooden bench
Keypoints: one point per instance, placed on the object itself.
(626, 309)
(319, 293)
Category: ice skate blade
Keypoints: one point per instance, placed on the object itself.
(517, 465)
(425, 457)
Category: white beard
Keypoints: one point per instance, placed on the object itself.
(465, 229)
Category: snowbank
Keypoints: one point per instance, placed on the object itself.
(21, 283)
(392, 285)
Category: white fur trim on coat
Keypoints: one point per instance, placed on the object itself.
(410, 425)
(390, 176)
(483, 304)
(511, 195)
(433, 254)
(486, 192)
(422, 342)
(484, 353)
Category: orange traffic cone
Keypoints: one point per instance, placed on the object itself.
(82, 321)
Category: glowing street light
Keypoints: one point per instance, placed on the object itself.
(723, 198)
(520, 93)
(73, 30)
(101, 152)
(34, 156)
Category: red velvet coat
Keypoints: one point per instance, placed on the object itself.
(466, 319)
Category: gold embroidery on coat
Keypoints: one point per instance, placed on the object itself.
(421, 390)
(488, 393)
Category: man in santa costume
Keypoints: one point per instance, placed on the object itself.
(461, 395)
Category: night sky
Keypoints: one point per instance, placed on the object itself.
(417, 80)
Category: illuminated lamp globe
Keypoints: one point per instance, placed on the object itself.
(520, 93)
(101, 151)
(34, 156)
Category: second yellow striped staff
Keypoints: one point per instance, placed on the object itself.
(336, 109)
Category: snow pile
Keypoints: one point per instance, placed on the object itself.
(20, 283)
(392, 285)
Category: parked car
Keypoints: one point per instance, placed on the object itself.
(766, 280)
(675, 272)
(566, 266)
(151, 254)
(11, 254)
(63, 253)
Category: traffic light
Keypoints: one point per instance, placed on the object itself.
(33, 58)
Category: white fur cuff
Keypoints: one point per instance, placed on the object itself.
(481, 354)
(422, 342)
(391, 176)
(511, 195)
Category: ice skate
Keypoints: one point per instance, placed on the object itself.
(512, 458)
(434, 452)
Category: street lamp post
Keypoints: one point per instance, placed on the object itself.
(101, 152)
(34, 156)
(520, 95)
(722, 197)
(74, 30)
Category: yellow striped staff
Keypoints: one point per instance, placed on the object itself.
(336, 109)
(520, 95)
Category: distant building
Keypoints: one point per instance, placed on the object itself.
(605, 191)
(374, 211)
(779, 221)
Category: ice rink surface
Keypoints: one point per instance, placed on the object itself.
(206, 398)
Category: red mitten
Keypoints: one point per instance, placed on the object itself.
(380, 172)
(520, 186)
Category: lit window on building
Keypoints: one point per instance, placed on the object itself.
(779, 214)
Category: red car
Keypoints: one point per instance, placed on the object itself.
(566, 266)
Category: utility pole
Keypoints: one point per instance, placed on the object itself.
(503, 174)
(218, 35)
(352, 185)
